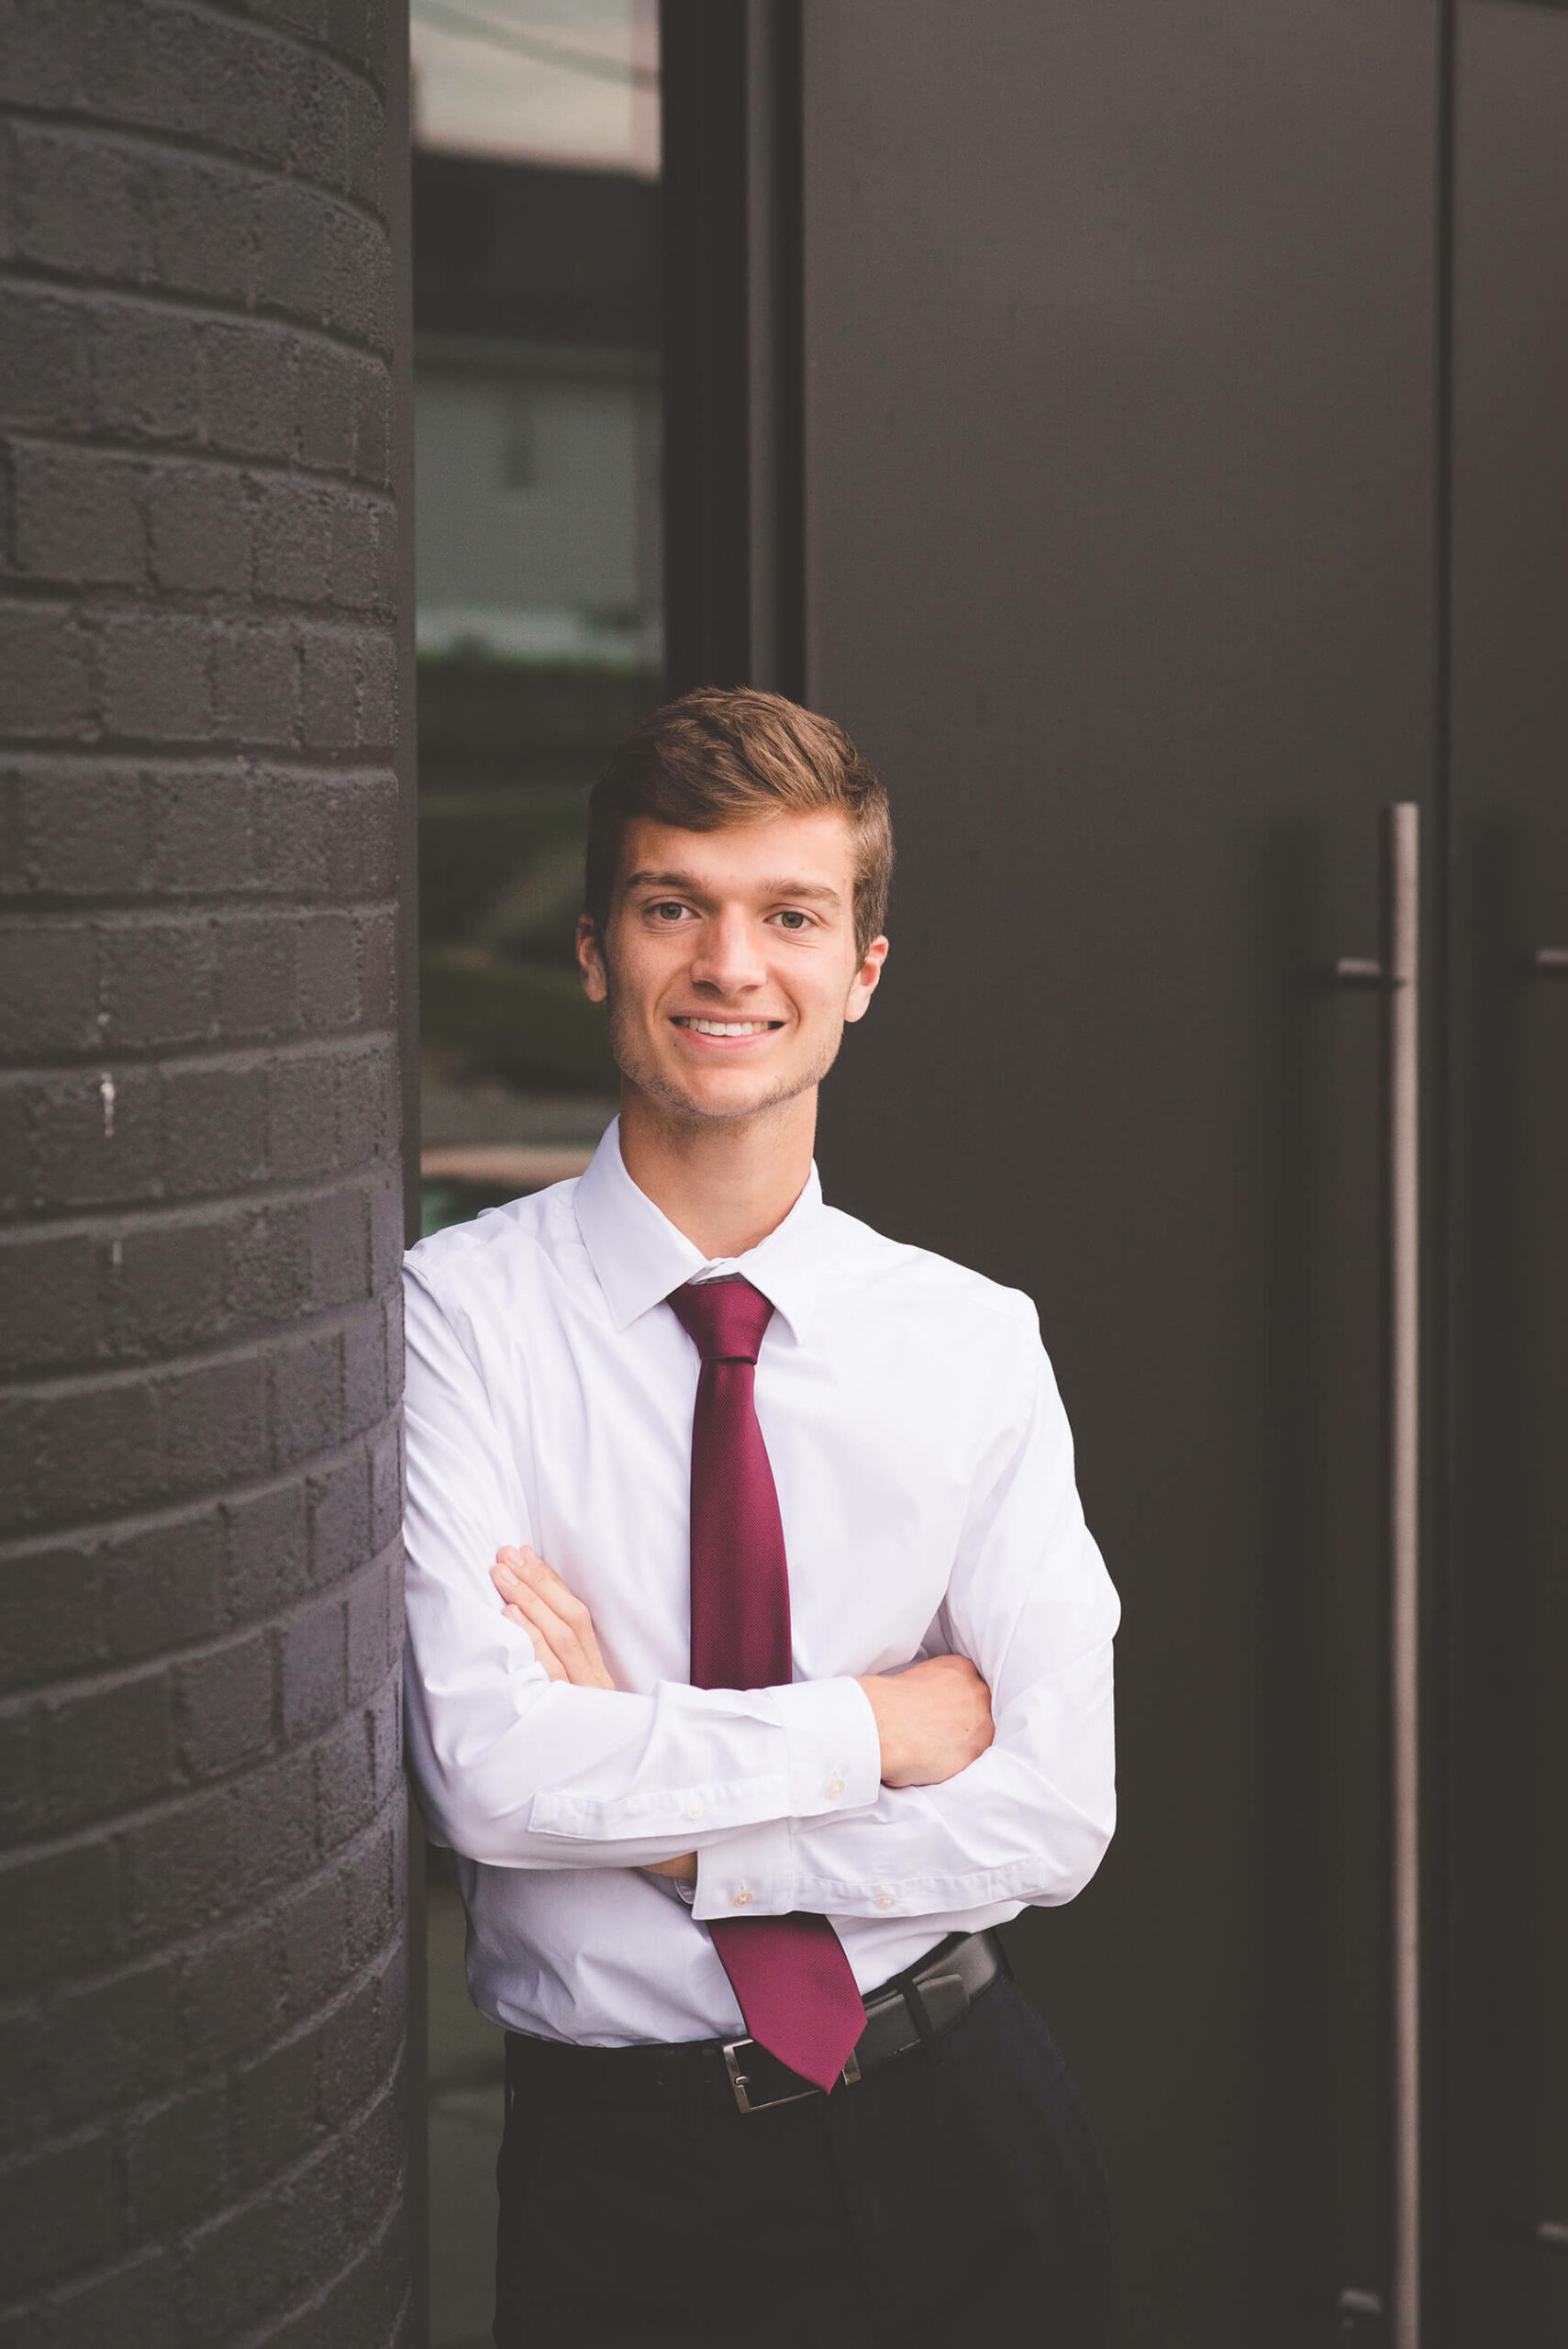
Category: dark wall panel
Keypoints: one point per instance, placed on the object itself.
(1121, 335)
(1509, 1141)
(729, 76)
(201, 1890)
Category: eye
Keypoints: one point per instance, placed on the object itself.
(667, 909)
(792, 919)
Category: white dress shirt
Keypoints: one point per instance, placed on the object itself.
(923, 1470)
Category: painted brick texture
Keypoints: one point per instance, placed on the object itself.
(202, 1956)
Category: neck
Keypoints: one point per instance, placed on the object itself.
(725, 1183)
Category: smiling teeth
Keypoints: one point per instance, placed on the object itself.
(726, 1027)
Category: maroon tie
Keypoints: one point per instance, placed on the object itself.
(790, 1974)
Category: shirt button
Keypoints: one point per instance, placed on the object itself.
(741, 1899)
(693, 1809)
(884, 1899)
(834, 1789)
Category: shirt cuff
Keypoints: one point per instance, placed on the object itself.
(835, 1753)
(835, 1766)
(748, 1873)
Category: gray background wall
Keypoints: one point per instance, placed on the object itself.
(202, 1896)
(1121, 425)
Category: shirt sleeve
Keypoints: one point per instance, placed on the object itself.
(519, 1771)
(1030, 1604)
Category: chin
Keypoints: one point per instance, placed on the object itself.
(721, 1100)
(719, 1092)
(719, 1095)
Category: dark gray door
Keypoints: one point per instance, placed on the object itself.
(1121, 335)
(1510, 1656)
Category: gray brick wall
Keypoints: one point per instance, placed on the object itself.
(202, 1960)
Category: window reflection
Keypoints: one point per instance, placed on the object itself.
(537, 453)
(537, 442)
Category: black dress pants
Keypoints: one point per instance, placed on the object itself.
(949, 2197)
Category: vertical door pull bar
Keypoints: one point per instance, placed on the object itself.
(1398, 974)
(1401, 954)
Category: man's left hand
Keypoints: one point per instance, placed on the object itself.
(554, 1618)
(564, 1642)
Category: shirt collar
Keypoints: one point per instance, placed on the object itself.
(639, 1257)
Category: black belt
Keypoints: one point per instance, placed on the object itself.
(912, 2011)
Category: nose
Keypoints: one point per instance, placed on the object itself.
(728, 958)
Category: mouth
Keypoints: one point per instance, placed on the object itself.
(696, 1025)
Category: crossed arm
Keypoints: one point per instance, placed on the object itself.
(824, 1794)
(932, 1720)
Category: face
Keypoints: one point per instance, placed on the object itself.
(729, 962)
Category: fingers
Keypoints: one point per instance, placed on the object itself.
(521, 1571)
(685, 1869)
(520, 1563)
(549, 1608)
(508, 1583)
(536, 1611)
(566, 1621)
(933, 1720)
(952, 1667)
(543, 1652)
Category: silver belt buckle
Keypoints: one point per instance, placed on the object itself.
(739, 2083)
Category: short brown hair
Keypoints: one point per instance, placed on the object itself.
(730, 755)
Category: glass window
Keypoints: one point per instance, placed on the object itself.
(538, 535)
(537, 476)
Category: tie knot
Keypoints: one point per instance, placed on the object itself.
(725, 1320)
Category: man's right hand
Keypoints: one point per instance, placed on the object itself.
(933, 1720)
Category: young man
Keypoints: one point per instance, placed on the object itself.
(815, 1689)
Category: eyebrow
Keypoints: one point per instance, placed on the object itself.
(816, 890)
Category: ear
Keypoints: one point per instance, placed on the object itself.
(863, 987)
(590, 961)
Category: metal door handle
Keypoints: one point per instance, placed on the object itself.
(1398, 974)
(1549, 961)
